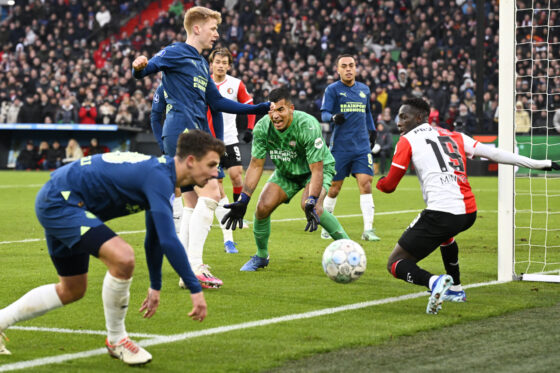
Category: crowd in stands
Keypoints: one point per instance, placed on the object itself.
(52, 68)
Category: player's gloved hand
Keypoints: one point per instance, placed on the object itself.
(338, 118)
(553, 166)
(248, 136)
(376, 149)
(311, 214)
(238, 209)
(372, 138)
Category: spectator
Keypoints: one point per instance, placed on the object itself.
(124, 118)
(66, 113)
(103, 18)
(55, 155)
(13, 111)
(388, 121)
(466, 119)
(522, 119)
(94, 147)
(27, 158)
(88, 112)
(43, 151)
(106, 113)
(385, 142)
(73, 151)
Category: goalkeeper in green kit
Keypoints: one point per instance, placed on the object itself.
(295, 145)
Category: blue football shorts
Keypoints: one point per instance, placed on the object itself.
(351, 164)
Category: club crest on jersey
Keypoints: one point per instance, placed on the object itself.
(156, 98)
(293, 144)
(362, 94)
(318, 143)
(230, 91)
(161, 53)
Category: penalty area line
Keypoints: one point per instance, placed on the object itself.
(224, 329)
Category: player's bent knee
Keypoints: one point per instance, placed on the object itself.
(263, 210)
(69, 293)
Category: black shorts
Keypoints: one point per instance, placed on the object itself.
(232, 156)
(77, 263)
(432, 228)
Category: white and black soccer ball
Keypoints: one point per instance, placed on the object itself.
(344, 261)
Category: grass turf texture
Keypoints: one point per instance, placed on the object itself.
(293, 283)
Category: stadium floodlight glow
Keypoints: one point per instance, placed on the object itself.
(7, 2)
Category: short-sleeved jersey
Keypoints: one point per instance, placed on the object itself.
(440, 159)
(351, 136)
(116, 184)
(235, 90)
(293, 150)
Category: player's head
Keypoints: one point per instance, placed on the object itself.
(201, 25)
(200, 153)
(281, 109)
(220, 60)
(412, 113)
(346, 68)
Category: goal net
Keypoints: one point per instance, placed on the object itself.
(529, 200)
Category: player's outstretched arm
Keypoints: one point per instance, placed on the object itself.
(219, 103)
(505, 157)
(238, 209)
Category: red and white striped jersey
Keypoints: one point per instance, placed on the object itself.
(440, 159)
(235, 90)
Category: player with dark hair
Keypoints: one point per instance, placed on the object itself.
(346, 104)
(293, 140)
(439, 157)
(73, 207)
(189, 90)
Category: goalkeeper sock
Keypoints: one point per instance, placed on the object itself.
(408, 271)
(221, 211)
(201, 221)
(331, 225)
(261, 230)
(368, 210)
(450, 257)
(115, 295)
(33, 304)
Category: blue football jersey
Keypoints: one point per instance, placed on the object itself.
(116, 184)
(352, 136)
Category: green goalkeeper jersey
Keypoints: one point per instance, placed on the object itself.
(293, 150)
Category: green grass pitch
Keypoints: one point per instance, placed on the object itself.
(277, 300)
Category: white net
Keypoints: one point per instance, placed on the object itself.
(537, 109)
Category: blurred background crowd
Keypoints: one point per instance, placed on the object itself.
(69, 61)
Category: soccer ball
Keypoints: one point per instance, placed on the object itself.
(344, 261)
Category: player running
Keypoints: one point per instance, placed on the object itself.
(221, 60)
(189, 91)
(73, 206)
(439, 157)
(346, 104)
(294, 142)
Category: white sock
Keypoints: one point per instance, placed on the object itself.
(115, 295)
(432, 280)
(329, 204)
(201, 221)
(368, 210)
(184, 230)
(32, 304)
(221, 211)
(177, 213)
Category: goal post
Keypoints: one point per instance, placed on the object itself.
(529, 201)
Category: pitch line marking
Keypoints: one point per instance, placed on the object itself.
(79, 331)
(274, 221)
(224, 329)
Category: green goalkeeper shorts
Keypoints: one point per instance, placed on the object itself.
(292, 185)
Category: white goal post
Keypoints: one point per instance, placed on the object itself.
(528, 247)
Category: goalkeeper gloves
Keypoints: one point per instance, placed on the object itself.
(311, 214)
(338, 118)
(237, 211)
(248, 136)
(553, 166)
